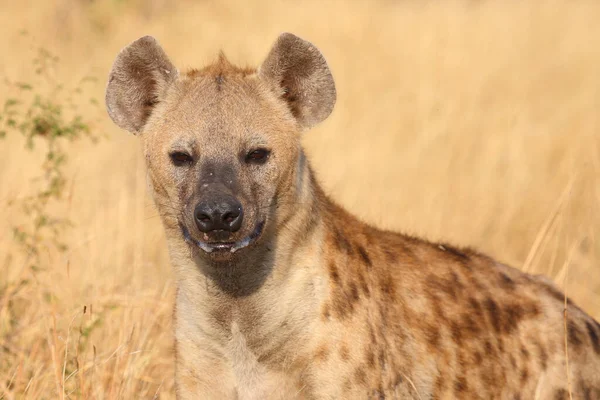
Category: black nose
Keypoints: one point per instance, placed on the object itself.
(223, 214)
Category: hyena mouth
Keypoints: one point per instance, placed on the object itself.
(231, 247)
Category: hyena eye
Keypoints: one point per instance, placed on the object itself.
(180, 159)
(257, 156)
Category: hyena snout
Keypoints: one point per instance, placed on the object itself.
(219, 212)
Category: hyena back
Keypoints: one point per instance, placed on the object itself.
(283, 294)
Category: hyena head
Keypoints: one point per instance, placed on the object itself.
(222, 144)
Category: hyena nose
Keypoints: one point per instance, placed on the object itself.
(225, 214)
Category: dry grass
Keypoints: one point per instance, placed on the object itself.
(475, 122)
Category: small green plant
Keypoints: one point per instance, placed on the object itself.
(50, 119)
(47, 115)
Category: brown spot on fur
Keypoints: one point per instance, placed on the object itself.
(442, 285)
(363, 285)
(370, 357)
(460, 387)
(341, 242)
(574, 334)
(360, 376)
(381, 359)
(475, 309)
(390, 255)
(487, 345)
(543, 355)
(524, 376)
(386, 284)
(433, 335)
(341, 307)
(506, 319)
(347, 385)
(398, 379)
(345, 299)
(333, 272)
(440, 386)
(470, 326)
(437, 306)
(456, 280)
(456, 333)
(493, 313)
(488, 376)
(506, 282)
(275, 354)
(593, 336)
(326, 313)
(372, 335)
(344, 352)
(354, 295)
(478, 357)
(364, 256)
(322, 353)
(500, 344)
(514, 313)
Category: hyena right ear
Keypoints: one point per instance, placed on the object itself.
(298, 72)
(137, 82)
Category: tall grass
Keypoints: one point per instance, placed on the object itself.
(472, 122)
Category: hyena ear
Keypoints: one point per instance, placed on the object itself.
(297, 70)
(137, 82)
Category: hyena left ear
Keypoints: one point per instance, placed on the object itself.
(139, 78)
(300, 75)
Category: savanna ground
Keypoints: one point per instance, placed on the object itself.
(475, 122)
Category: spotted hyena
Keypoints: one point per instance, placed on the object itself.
(283, 294)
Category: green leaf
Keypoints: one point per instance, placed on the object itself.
(10, 103)
(24, 86)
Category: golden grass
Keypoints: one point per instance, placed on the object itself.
(472, 122)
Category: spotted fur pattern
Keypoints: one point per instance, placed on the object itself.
(324, 306)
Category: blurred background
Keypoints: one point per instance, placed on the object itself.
(472, 122)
